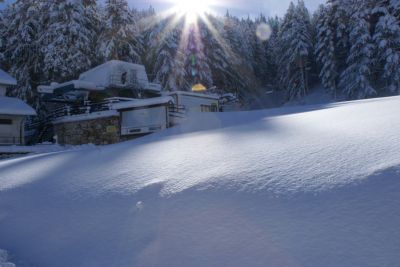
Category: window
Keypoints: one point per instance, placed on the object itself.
(205, 108)
(5, 122)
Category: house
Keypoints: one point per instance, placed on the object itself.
(195, 102)
(13, 112)
(110, 103)
(114, 102)
(118, 121)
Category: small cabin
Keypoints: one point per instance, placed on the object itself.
(13, 112)
(195, 102)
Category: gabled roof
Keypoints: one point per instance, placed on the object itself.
(15, 106)
(7, 79)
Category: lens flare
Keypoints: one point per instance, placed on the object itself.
(263, 31)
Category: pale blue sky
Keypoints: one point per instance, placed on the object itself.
(237, 7)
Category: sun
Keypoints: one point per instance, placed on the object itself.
(192, 9)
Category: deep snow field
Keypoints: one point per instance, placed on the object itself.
(303, 186)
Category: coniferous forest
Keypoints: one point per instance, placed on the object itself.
(350, 47)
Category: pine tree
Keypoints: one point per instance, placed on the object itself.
(3, 28)
(120, 37)
(283, 46)
(240, 36)
(197, 68)
(296, 46)
(259, 50)
(325, 50)
(355, 79)
(21, 49)
(169, 66)
(67, 40)
(220, 56)
(92, 24)
(387, 46)
(273, 54)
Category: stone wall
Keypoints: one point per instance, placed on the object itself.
(99, 131)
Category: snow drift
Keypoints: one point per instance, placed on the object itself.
(300, 186)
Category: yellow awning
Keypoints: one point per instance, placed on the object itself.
(198, 88)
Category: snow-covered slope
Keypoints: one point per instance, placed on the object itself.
(301, 186)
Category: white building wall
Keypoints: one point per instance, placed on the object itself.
(11, 133)
(194, 103)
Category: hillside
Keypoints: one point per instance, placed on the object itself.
(298, 186)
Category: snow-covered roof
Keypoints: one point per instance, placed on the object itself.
(7, 79)
(76, 84)
(194, 94)
(106, 74)
(15, 106)
(114, 73)
(142, 102)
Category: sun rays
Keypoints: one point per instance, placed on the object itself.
(193, 20)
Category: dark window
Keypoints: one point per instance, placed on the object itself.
(5, 121)
(205, 108)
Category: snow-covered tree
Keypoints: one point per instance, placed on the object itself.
(119, 38)
(196, 63)
(260, 50)
(21, 51)
(387, 46)
(220, 56)
(3, 29)
(283, 45)
(325, 50)
(296, 49)
(169, 67)
(68, 38)
(355, 79)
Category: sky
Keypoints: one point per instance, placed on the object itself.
(237, 7)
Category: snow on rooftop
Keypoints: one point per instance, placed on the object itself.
(6, 79)
(142, 102)
(15, 106)
(299, 186)
(104, 74)
(76, 84)
(211, 96)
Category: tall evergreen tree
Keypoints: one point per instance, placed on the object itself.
(387, 48)
(355, 79)
(296, 48)
(220, 56)
(119, 37)
(3, 29)
(68, 38)
(325, 50)
(283, 46)
(22, 51)
(197, 68)
(169, 66)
